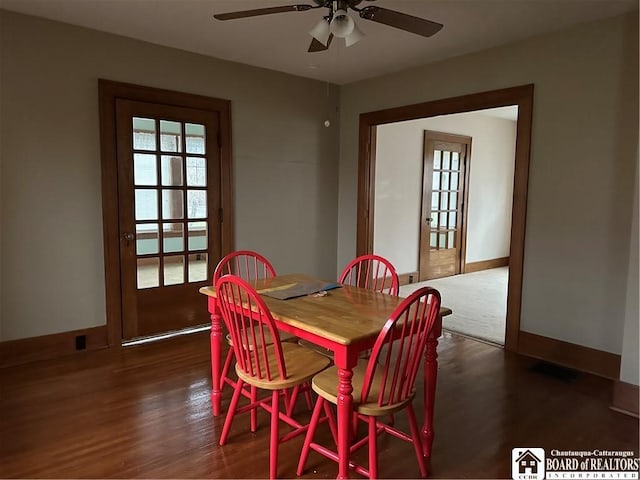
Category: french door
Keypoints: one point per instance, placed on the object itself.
(169, 213)
(444, 195)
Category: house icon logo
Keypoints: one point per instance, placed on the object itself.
(527, 463)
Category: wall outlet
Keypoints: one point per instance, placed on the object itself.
(81, 342)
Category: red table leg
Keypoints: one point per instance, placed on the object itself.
(345, 360)
(345, 408)
(216, 349)
(430, 377)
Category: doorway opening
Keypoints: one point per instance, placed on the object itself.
(438, 227)
(522, 98)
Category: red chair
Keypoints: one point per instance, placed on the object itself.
(249, 266)
(384, 384)
(270, 365)
(372, 272)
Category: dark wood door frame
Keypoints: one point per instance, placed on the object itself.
(522, 96)
(109, 92)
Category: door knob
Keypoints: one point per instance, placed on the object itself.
(128, 236)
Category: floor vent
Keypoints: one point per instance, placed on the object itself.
(555, 371)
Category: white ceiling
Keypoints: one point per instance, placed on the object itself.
(508, 113)
(280, 41)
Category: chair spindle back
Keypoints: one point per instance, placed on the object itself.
(372, 272)
(399, 349)
(245, 264)
(249, 322)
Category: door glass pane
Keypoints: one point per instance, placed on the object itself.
(453, 201)
(147, 238)
(445, 181)
(433, 241)
(173, 237)
(444, 201)
(443, 219)
(144, 169)
(452, 239)
(446, 160)
(174, 270)
(195, 138)
(172, 205)
(436, 181)
(454, 181)
(170, 136)
(197, 235)
(171, 171)
(148, 272)
(443, 241)
(452, 219)
(196, 172)
(198, 267)
(435, 199)
(455, 161)
(436, 159)
(144, 133)
(434, 220)
(197, 203)
(146, 207)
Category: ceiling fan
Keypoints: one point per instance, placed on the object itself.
(338, 23)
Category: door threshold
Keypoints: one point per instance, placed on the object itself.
(164, 336)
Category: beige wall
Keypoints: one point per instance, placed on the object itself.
(584, 144)
(284, 160)
(398, 186)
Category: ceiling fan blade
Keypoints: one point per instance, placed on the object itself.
(403, 21)
(262, 11)
(317, 46)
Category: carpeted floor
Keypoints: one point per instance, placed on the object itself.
(478, 301)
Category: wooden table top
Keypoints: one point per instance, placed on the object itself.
(346, 315)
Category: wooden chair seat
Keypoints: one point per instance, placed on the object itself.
(302, 365)
(325, 385)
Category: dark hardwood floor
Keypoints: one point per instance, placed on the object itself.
(144, 412)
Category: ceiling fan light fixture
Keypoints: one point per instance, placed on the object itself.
(354, 37)
(342, 24)
(321, 31)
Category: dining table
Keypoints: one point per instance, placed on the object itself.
(345, 320)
